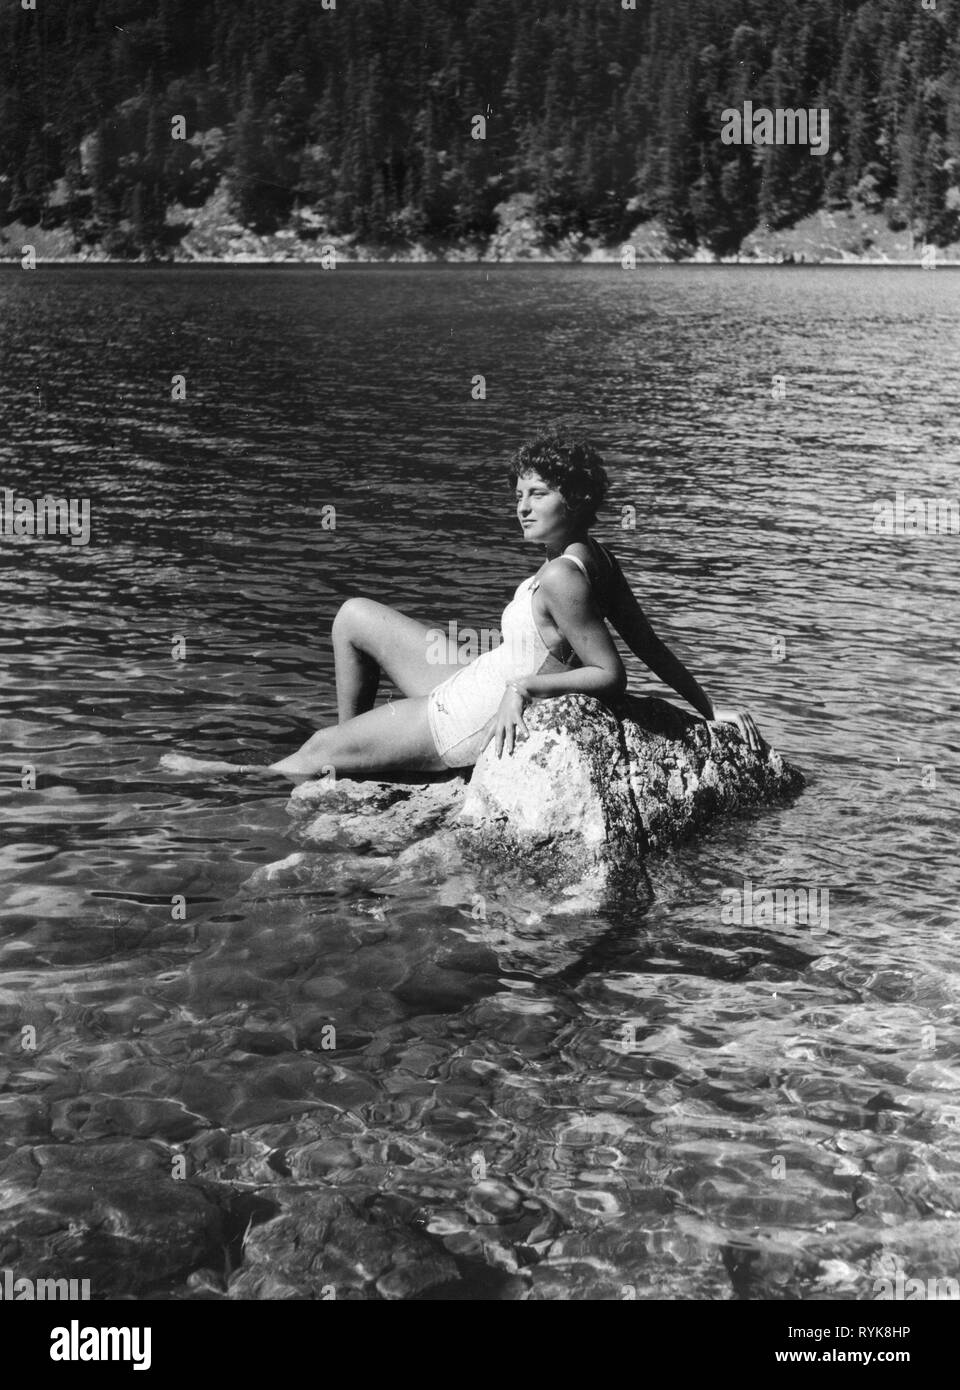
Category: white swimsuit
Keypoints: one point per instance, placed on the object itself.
(460, 707)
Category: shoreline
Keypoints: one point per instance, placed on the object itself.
(353, 263)
(211, 235)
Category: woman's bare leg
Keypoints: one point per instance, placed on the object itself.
(392, 738)
(370, 638)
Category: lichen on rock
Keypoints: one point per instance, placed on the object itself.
(595, 788)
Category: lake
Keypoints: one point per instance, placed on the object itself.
(781, 1117)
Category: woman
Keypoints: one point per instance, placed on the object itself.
(555, 642)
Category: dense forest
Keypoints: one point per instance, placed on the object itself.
(364, 111)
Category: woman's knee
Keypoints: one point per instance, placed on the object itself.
(346, 617)
(354, 617)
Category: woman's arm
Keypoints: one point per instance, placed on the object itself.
(569, 601)
(630, 621)
(632, 624)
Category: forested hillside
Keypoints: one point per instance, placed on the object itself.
(364, 113)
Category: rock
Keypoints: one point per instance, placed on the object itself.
(580, 803)
(593, 790)
(24, 1120)
(382, 816)
(108, 1212)
(300, 871)
(321, 1246)
(96, 1117)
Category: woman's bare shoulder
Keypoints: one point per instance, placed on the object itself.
(602, 565)
(587, 551)
(558, 576)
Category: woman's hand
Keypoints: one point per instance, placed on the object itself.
(508, 720)
(744, 722)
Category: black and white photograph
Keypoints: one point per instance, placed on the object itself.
(479, 526)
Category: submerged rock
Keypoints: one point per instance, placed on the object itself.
(519, 854)
(109, 1212)
(582, 801)
(593, 789)
(375, 817)
(322, 1245)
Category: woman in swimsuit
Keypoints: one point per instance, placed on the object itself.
(554, 642)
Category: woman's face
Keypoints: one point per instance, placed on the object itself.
(541, 510)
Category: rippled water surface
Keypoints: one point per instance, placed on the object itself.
(785, 1110)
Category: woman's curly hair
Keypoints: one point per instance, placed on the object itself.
(570, 463)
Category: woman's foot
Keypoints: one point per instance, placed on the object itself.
(179, 762)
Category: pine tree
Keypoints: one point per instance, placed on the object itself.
(30, 185)
(148, 210)
(431, 207)
(911, 160)
(255, 195)
(365, 116)
(677, 160)
(555, 148)
(940, 223)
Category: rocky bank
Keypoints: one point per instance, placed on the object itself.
(210, 234)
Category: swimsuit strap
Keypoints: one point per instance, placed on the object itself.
(536, 585)
(578, 563)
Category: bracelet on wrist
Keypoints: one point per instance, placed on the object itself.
(512, 685)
